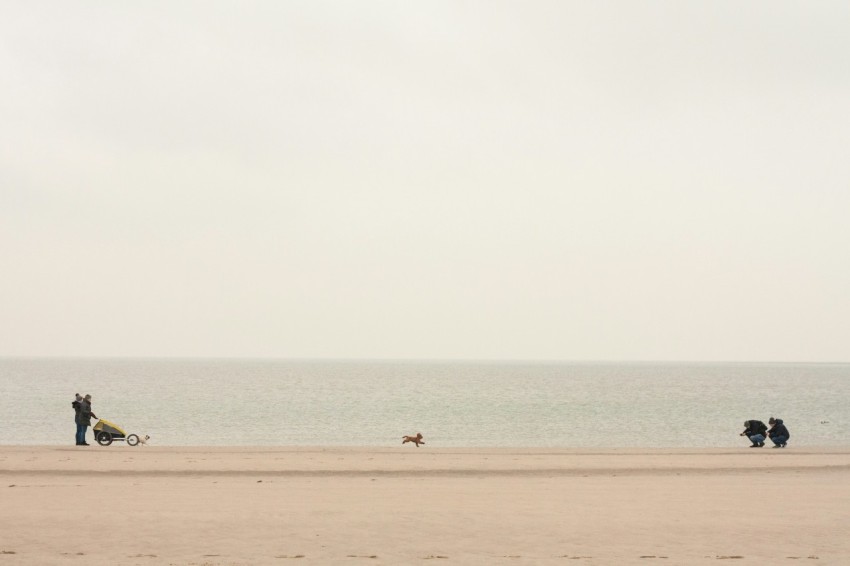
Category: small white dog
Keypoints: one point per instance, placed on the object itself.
(143, 440)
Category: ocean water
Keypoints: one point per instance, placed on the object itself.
(453, 404)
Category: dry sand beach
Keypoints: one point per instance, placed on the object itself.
(403, 505)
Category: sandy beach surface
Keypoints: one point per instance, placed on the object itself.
(403, 505)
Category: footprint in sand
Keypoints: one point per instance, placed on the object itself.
(7, 552)
(728, 557)
(287, 556)
(364, 556)
(143, 556)
(575, 557)
(653, 556)
(433, 556)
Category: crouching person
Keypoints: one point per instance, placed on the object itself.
(756, 431)
(778, 433)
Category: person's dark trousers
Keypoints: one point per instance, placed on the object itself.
(779, 440)
(81, 434)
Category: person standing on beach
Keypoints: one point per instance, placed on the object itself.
(756, 431)
(778, 433)
(77, 405)
(84, 419)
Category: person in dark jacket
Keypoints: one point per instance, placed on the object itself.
(84, 417)
(778, 433)
(77, 404)
(756, 431)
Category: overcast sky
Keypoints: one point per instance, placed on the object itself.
(434, 179)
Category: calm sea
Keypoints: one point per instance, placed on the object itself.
(458, 404)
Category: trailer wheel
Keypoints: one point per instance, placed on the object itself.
(104, 439)
(133, 439)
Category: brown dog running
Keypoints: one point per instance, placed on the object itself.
(417, 440)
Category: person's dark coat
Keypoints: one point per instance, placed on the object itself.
(755, 427)
(85, 415)
(78, 412)
(778, 429)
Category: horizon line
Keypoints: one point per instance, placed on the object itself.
(416, 360)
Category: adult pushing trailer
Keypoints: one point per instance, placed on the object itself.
(106, 433)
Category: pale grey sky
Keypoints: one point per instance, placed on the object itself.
(434, 179)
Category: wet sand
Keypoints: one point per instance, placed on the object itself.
(403, 505)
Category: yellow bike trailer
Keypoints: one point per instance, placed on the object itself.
(106, 433)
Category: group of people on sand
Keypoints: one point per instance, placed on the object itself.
(758, 432)
(82, 416)
(754, 429)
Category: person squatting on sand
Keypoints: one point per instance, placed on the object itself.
(778, 433)
(83, 417)
(756, 431)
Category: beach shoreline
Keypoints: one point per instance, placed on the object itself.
(401, 505)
